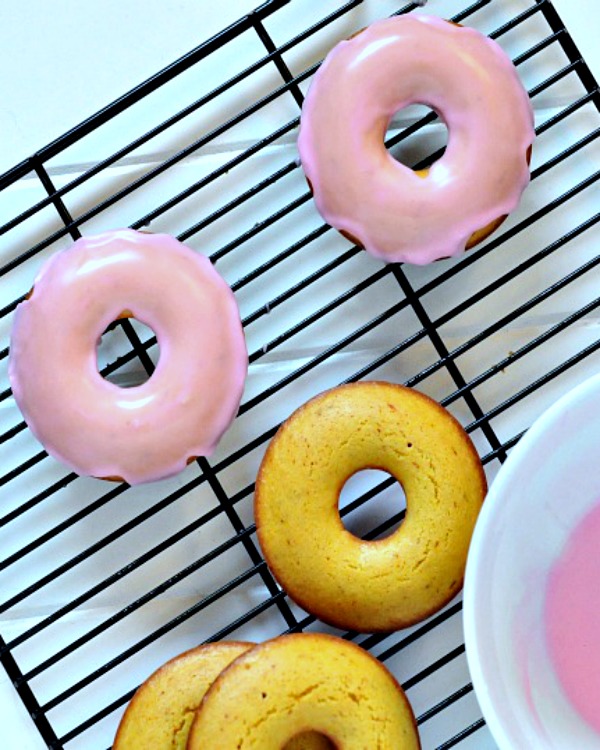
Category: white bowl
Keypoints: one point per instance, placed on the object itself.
(547, 485)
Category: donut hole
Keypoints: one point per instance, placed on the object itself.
(372, 504)
(118, 358)
(311, 739)
(417, 150)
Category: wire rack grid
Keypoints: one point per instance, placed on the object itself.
(101, 583)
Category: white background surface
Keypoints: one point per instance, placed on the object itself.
(64, 60)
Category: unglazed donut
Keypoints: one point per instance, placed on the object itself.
(361, 190)
(361, 585)
(161, 712)
(299, 682)
(152, 430)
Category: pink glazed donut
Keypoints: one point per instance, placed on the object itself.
(395, 213)
(152, 430)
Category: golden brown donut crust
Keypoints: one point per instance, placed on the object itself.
(162, 711)
(369, 585)
(160, 714)
(299, 682)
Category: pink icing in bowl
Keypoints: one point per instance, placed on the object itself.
(572, 617)
(527, 540)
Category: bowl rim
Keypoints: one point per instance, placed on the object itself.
(492, 509)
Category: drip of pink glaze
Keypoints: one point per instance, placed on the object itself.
(572, 616)
(150, 431)
(361, 190)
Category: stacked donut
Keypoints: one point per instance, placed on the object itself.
(295, 692)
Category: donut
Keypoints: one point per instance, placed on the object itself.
(395, 213)
(161, 712)
(298, 682)
(152, 430)
(361, 585)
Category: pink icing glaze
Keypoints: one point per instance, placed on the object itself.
(359, 188)
(572, 615)
(146, 432)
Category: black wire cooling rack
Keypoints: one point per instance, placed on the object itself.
(101, 583)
